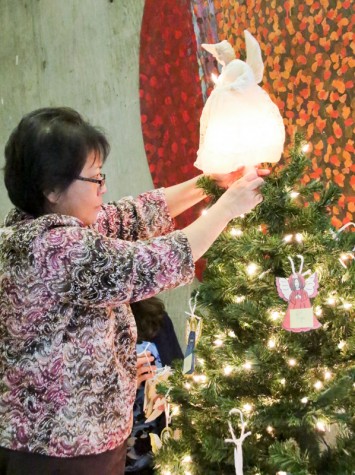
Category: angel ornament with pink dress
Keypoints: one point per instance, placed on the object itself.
(298, 291)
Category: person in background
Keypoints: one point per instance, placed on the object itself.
(70, 266)
(157, 338)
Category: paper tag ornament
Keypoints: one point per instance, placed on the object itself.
(193, 333)
(240, 125)
(297, 291)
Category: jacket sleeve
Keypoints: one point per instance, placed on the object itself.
(132, 219)
(81, 266)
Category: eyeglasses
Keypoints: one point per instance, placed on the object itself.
(100, 181)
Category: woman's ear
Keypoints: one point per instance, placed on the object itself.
(52, 196)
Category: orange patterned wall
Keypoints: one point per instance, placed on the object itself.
(308, 50)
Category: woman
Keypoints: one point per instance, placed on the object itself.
(70, 266)
(157, 343)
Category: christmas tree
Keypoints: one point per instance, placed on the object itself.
(295, 389)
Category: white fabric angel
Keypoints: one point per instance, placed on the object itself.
(240, 125)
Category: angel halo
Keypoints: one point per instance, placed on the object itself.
(297, 291)
(239, 125)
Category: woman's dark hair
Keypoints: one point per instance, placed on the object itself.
(46, 152)
(149, 315)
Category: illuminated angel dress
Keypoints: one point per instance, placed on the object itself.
(240, 125)
(297, 292)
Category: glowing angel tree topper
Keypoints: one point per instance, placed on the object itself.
(297, 291)
(240, 125)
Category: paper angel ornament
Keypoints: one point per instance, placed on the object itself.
(297, 291)
(240, 125)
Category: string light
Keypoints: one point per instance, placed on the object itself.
(247, 365)
(288, 238)
(341, 344)
(347, 305)
(270, 429)
(247, 407)
(251, 269)
(304, 400)
(320, 425)
(187, 472)
(318, 311)
(305, 148)
(175, 410)
(236, 232)
(294, 194)
(283, 381)
(228, 370)
(200, 378)
(201, 361)
(327, 374)
(187, 385)
(292, 362)
(299, 237)
(318, 385)
(166, 472)
(231, 334)
(218, 342)
(281, 473)
(271, 343)
(275, 315)
(331, 300)
(239, 298)
(204, 212)
(187, 459)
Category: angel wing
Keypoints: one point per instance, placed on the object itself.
(254, 58)
(283, 288)
(311, 285)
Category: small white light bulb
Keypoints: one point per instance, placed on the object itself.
(247, 407)
(270, 429)
(247, 365)
(347, 305)
(294, 194)
(218, 342)
(283, 381)
(228, 370)
(331, 300)
(288, 238)
(275, 315)
(187, 459)
(327, 374)
(318, 311)
(341, 344)
(271, 343)
(305, 148)
(299, 237)
(292, 362)
(204, 212)
(251, 268)
(236, 232)
(320, 425)
(304, 400)
(187, 385)
(231, 334)
(239, 298)
(318, 385)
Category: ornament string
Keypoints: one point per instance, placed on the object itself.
(192, 306)
(238, 451)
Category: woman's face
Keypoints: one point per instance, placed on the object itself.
(82, 199)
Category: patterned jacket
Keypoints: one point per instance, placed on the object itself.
(67, 334)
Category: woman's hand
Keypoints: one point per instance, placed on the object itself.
(225, 180)
(144, 369)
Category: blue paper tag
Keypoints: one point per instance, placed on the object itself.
(189, 359)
